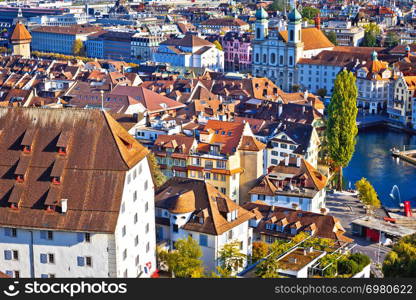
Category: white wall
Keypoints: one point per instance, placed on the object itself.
(144, 228)
(65, 246)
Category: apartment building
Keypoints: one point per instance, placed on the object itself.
(400, 107)
(374, 80)
(229, 157)
(293, 183)
(60, 39)
(143, 47)
(77, 196)
(189, 207)
(172, 153)
(273, 223)
(190, 51)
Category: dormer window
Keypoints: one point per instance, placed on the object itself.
(269, 226)
(27, 141)
(27, 149)
(62, 151)
(201, 220)
(56, 180)
(51, 208)
(62, 143)
(20, 178)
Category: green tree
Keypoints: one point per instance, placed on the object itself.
(278, 5)
(401, 260)
(392, 39)
(373, 28)
(371, 34)
(332, 37)
(158, 177)
(185, 261)
(78, 48)
(367, 193)
(268, 268)
(309, 12)
(295, 88)
(369, 40)
(347, 266)
(260, 250)
(341, 126)
(230, 257)
(321, 92)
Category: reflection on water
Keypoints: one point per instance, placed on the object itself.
(372, 160)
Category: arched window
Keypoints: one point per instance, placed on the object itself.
(273, 58)
(290, 60)
(264, 58)
(291, 35)
(258, 33)
(257, 57)
(281, 59)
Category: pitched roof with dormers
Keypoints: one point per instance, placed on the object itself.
(295, 176)
(322, 226)
(98, 153)
(207, 205)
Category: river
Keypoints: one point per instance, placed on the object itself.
(372, 160)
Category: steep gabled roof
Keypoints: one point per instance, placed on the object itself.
(152, 101)
(92, 172)
(184, 195)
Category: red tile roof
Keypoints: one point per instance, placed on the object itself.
(20, 33)
(153, 102)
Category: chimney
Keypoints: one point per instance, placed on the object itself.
(308, 250)
(298, 160)
(280, 109)
(64, 205)
(324, 211)
(305, 95)
(318, 22)
(295, 206)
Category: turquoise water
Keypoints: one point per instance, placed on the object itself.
(372, 160)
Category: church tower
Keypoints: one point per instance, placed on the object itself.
(20, 40)
(262, 24)
(294, 26)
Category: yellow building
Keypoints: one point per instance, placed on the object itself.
(20, 40)
(229, 157)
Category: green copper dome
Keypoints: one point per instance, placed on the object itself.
(261, 14)
(294, 15)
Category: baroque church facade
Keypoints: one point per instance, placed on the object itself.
(276, 53)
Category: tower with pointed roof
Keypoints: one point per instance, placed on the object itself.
(262, 24)
(20, 40)
(294, 26)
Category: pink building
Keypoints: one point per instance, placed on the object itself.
(237, 52)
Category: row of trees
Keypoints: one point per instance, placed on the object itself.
(373, 38)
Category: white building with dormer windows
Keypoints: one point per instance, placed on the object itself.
(193, 208)
(78, 198)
